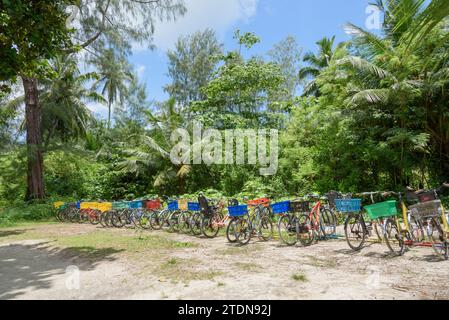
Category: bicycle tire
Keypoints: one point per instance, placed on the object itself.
(244, 230)
(230, 231)
(288, 230)
(438, 239)
(355, 230)
(393, 237)
(209, 227)
(328, 223)
(306, 234)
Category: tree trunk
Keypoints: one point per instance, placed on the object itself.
(33, 120)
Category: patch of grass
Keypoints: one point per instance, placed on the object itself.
(300, 277)
(247, 266)
(119, 240)
(221, 284)
(184, 270)
(322, 263)
(241, 250)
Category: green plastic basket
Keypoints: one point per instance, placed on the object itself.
(382, 210)
(120, 205)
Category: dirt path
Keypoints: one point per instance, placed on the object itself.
(45, 262)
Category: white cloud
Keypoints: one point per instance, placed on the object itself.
(140, 70)
(219, 15)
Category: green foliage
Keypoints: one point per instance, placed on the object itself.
(23, 213)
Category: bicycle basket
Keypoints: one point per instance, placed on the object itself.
(135, 205)
(153, 204)
(427, 196)
(431, 209)
(281, 207)
(382, 209)
(257, 202)
(88, 205)
(119, 205)
(193, 206)
(104, 207)
(173, 206)
(58, 205)
(348, 205)
(182, 204)
(238, 211)
(332, 196)
(300, 206)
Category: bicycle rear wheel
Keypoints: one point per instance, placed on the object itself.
(195, 224)
(145, 221)
(355, 231)
(288, 229)
(393, 237)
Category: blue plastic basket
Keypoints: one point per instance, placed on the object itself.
(78, 205)
(193, 206)
(238, 211)
(135, 204)
(281, 207)
(173, 206)
(348, 205)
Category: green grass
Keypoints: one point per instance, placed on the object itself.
(183, 270)
(22, 214)
(300, 277)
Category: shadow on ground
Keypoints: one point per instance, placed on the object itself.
(31, 267)
(8, 233)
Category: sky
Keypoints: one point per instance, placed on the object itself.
(272, 20)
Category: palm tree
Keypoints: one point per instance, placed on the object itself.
(154, 155)
(317, 62)
(115, 76)
(403, 78)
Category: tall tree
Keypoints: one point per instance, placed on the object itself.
(287, 55)
(35, 31)
(191, 65)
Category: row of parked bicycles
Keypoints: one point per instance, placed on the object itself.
(400, 220)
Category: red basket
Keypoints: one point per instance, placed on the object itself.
(153, 204)
(257, 202)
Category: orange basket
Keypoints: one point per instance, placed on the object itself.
(257, 202)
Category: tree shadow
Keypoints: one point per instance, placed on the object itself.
(7, 233)
(25, 268)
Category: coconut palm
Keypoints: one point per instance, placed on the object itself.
(115, 76)
(317, 62)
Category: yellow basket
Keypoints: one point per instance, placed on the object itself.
(89, 205)
(183, 205)
(104, 206)
(58, 204)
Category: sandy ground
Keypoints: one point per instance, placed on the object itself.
(33, 265)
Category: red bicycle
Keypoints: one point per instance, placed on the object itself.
(319, 224)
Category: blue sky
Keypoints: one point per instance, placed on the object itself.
(272, 20)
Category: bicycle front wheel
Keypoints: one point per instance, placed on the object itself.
(266, 228)
(288, 230)
(393, 237)
(306, 235)
(355, 231)
(209, 226)
(328, 223)
(438, 239)
(231, 231)
(243, 231)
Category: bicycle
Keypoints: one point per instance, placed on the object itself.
(319, 223)
(256, 222)
(288, 221)
(213, 217)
